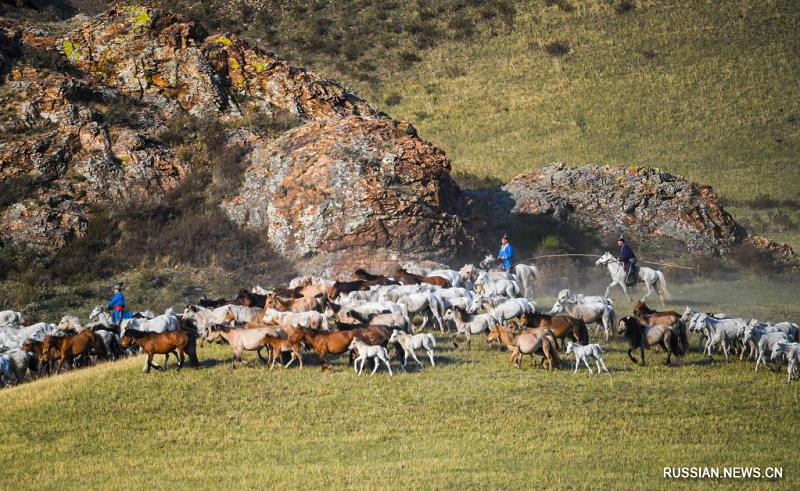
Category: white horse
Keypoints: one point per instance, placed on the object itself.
(485, 285)
(526, 275)
(11, 318)
(653, 279)
(415, 342)
(582, 353)
(510, 309)
(368, 351)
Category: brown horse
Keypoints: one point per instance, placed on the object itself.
(278, 345)
(163, 343)
(338, 342)
(540, 341)
(563, 326)
(67, 348)
(647, 316)
(340, 287)
(372, 279)
(643, 336)
(249, 299)
(431, 280)
(302, 304)
(35, 347)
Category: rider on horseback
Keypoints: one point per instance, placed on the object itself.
(628, 260)
(117, 304)
(506, 253)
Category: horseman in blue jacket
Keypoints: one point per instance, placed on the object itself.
(117, 304)
(506, 254)
(627, 258)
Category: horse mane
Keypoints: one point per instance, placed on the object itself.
(642, 308)
(461, 313)
(633, 330)
(220, 327)
(361, 317)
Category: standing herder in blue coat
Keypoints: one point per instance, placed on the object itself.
(626, 255)
(117, 304)
(506, 254)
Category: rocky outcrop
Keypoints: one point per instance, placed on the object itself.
(639, 202)
(339, 194)
(168, 60)
(82, 112)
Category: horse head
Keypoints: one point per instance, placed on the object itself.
(487, 262)
(605, 259)
(557, 307)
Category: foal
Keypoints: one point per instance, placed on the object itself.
(279, 345)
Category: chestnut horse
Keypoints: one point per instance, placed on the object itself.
(35, 347)
(278, 345)
(176, 342)
(563, 326)
(647, 316)
(643, 336)
(71, 346)
(431, 280)
(372, 279)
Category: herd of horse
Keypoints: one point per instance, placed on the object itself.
(369, 315)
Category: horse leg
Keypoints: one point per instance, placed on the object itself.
(386, 361)
(641, 348)
(61, 363)
(414, 355)
(148, 363)
(631, 356)
(577, 365)
(725, 349)
(469, 339)
(322, 358)
(430, 355)
(261, 357)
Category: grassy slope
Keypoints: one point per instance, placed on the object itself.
(703, 89)
(472, 420)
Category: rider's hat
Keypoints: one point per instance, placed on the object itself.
(119, 287)
(505, 236)
(621, 238)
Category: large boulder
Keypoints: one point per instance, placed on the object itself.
(639, 202)
(335, 195)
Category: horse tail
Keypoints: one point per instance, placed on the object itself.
(614, 324)
(537, 275)
(682, 333)
(583, 332)
(662, 282)
(432, 340)
(675, 344)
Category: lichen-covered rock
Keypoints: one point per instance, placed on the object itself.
(337, 194)
(639, 202)
(162, 56)
(46, 223)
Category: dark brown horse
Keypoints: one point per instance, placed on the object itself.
(370, 279)
(641, 336)
(212, 303)
(249, 299)
(340, 287)
(647, 316)
(67, 348)
(563, 326)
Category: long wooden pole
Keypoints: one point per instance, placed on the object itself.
(670, 265)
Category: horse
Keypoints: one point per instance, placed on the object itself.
(176, 342)
(297, 305)
(469, 324)
(441, 270)
(249, 299)
(485, 285)
(340, 287)
(430, 280)
(212, 303)
(504, 312)
(564, 327)
(335, 342)
(36, 348)
(370, 280)
(67, 348)
(582, 353)
(410, 343)
(242, 340)
(369, 351)
(641, 337)
(591, 312)
(648, 316)
(539, 341)
(278, 345)
(653, 279)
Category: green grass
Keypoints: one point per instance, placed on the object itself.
(473, 420)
